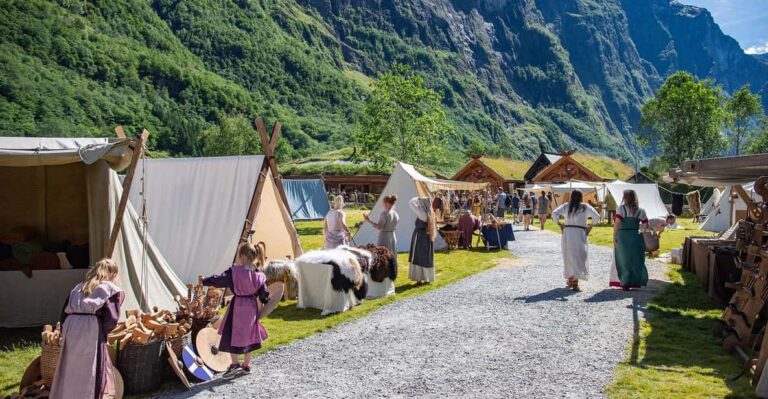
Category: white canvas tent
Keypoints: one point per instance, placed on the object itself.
(713, 200)
(197, 206)
(647, 195)
(407, 183)
(722, 215)
(67, 189)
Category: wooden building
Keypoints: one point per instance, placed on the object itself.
(499, 172)
(565, 169)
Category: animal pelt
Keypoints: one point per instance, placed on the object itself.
(364, 257)
(283, 271)
(383, 265)
(345, 262)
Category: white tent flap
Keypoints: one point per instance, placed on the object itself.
(647, 195)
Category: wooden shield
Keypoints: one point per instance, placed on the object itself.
(275, 295)
(207, 345)
(195, 365)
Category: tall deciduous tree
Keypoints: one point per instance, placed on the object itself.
(685, 119)
(760, 143)
(403, 119)
(742, 107)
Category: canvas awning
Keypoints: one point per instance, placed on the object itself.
(441, 184)
(40, 151)
(718, 172)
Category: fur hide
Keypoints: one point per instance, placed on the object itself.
(283, 271)
(364, 258)
(347, 273)
(382, 265)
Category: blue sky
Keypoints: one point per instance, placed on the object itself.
(744, 20)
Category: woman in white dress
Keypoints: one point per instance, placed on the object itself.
(335, 230)
(575, 244)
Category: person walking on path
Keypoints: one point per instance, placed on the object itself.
(543, 204)
(386, 225)
(527, 211)
(84, 369)
(241, 332)
(575, 245)
(515, 207)
(422, 253)
(335, 230)
(629, 269)
(501, 203)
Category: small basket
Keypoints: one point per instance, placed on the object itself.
(48, 360)
(142, 366)
(651, 241)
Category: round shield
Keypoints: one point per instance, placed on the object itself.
(207, 344)
(119, 385)
(195, 365)
(275, 295)
(32, 374)
(216, 322)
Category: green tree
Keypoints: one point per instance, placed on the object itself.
(742, 107)
(403, 119)
(476, 148)
(234, 135)
(760, 144)
(684, 120)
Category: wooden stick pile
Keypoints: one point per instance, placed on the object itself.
(140, 328)
(52, 336)
(201, 302)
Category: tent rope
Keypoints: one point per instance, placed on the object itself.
(145, 227)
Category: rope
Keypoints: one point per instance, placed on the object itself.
(145, 228)
(678, 193)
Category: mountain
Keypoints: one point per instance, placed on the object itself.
(523, 75)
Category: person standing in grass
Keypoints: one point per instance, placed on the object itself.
(241, 332)
(84, 369)
(575, 229)
(629, 250)
(335, 230)
(387, 225)
(422, 253)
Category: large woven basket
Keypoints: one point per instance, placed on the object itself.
(142, 366)
(48, 360)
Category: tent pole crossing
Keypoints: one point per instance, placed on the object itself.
(138, 152)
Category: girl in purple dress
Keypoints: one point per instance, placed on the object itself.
(241, 332)
(91, 312)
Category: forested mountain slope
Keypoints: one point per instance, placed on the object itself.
(519, 74)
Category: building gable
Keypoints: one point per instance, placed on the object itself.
(478, 171)
(565, 169)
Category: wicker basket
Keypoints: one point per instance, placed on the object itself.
(142, 366)
(48, 360)
(451, 238)
(197, 325)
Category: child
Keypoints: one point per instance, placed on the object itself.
(91, 312)
(241, 332)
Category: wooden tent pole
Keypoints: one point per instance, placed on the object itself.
(138, 152)
(269, 145)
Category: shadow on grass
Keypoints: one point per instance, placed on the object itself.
(674, 352)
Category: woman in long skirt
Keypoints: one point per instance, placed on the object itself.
(91, 312)
(422, 253)
(575, 245)
(629, 248)
(335, 230)
(386, 225)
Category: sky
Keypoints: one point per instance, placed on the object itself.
(744, 20)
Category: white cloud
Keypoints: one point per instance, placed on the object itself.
(757, 49)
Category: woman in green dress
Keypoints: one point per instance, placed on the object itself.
(629, 249)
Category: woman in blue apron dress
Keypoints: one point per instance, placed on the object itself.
(629, 248)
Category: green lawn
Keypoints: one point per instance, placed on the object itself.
(287, 323)
(675, 354)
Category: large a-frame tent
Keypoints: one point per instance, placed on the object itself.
(407, 183)
(67, 190)
(199, 209)
(306, 198)
(723, 213)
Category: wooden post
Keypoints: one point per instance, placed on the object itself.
(138, 152)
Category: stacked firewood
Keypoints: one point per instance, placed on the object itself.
(52, 336)
(140, 328)
(201, 302)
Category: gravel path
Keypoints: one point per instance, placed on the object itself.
(512, 331)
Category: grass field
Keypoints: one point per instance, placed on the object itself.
(675, 354)
(287, 323)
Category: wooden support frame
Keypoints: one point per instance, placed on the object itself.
(137, 144)
(268, 144)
